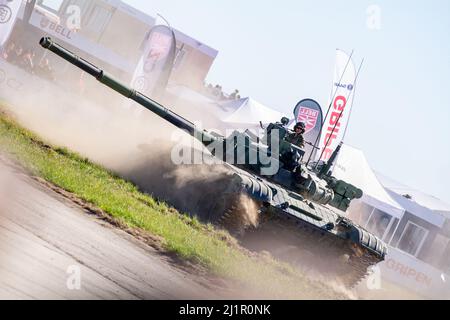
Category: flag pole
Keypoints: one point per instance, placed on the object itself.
(351, 106)
(329, 107)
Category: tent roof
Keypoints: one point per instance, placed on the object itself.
(249, 111)
(420, 197)
(418, 210)
(352, 166)
(419, 202)
(238, 114)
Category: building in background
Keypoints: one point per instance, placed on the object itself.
(111, 34)
(416, 227)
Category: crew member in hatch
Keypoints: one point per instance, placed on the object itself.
(296, 137)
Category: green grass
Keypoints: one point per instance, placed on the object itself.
(186, 237)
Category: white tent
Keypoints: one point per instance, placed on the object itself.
(352, 166)
(239, 114)
(248, 112)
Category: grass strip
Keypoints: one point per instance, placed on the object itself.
(179, 233)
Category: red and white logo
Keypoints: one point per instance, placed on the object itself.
(309, 117)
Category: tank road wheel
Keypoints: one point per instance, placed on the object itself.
(359, 267)
(314, 252)
(350, 268)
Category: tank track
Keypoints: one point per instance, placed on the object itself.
(311, 247)
(347, 263)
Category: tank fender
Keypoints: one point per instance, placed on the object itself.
(367, 240)
(255, 188)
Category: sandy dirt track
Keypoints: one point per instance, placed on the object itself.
(45, 238)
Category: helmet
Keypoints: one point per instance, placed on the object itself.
(300, 125)
(284, 121)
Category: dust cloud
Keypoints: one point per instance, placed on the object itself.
(137, 145)
(127, 139)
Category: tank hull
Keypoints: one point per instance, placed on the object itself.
(300, 232)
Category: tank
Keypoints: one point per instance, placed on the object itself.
(302, 200)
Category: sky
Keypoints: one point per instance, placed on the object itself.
(279, 52)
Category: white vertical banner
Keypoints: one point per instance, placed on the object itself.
(8, 14)
(159, 48)
(341, 104)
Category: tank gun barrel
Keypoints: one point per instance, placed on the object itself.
(106, 79)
